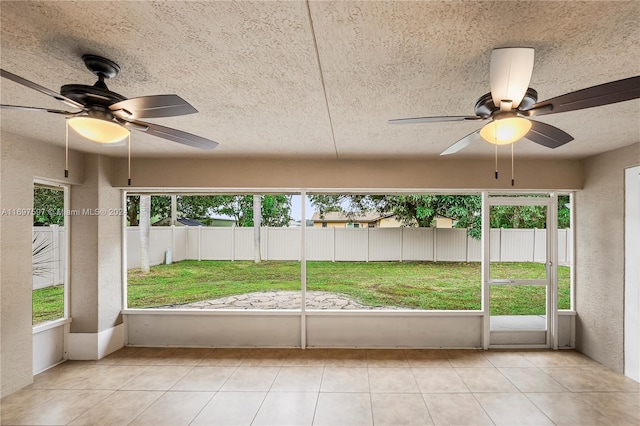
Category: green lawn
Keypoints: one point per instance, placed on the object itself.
(415, 285)
(48, 304)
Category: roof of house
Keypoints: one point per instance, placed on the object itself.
(181, 220)
(342, 217)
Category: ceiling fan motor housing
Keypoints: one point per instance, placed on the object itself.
(485, 107)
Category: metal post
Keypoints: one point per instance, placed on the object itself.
(303, 273)
(486, 259)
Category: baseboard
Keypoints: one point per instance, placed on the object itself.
(95, 346)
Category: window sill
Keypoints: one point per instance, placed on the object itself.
(50, 324)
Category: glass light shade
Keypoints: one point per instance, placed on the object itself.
(505, 131)
(97, 130)
(510, 73)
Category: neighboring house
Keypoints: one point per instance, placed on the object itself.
(181, 222)
(341, 220)
(369, 220)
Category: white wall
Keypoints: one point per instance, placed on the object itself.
(600, 256)
(22, 160)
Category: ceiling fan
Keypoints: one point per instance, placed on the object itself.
(107, 117)
(511, 103)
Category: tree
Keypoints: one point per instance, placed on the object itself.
(145, 210)
(48, 206)
(275, 210)
(529, 217)
(411, 210)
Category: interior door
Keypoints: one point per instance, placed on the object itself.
(520, 273)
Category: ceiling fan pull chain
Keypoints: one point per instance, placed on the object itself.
(66, 148)
(129, 160)
(513, 181)
(496, 155)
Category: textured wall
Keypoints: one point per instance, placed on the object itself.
(341, 174)
(22, 161)
(96, 266)
(600, 256)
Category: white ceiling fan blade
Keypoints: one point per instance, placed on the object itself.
(510, 73)
(461, 144)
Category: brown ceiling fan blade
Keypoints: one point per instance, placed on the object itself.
(434, 119)
(172, 135)
(156, 106)
(603, 94)
(41, 89)
(547, 135)
(461, 144)
(26, 108)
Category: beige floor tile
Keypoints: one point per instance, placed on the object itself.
(266, 357)
(511, 409)
(346, 358)
(438, 380)
(66, 376)
(300, 379)
(184, 356)
(110, 377)
(399, 409)
(567, 409)
(119, 408)
(287, 408)
(564, 358)
(174, 409)
(485, 380)
(144, 356)
(426, 358)
(343, 409)
(456, 409)
(306, 358)
(64, 407)
(621, 408)
(592, 379)
(251, 379)
(230, 408)
(531, 380)
(204, 379)
(507, 359)
(392, 380)
(386, 358)
(344, 379)
(18, 404)
(119, 355)
(466, 358)
(157, 378)
(225, 357)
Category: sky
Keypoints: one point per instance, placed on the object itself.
(296, 208)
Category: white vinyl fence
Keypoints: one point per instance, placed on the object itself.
(344, 244)
(51, 263)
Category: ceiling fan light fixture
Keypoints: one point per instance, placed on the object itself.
(505, 131)
(509, 74)
(97, 130)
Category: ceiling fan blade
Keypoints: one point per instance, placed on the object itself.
(41, 89)
(509, 74)
(603, 94)
(172, 134)
(156, 106)
(547, 135)
(434, 119)
(461, 144)
(26, 108)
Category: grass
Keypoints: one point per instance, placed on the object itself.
(414, 285)
(48, 304)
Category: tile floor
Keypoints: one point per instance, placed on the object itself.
(171, 386)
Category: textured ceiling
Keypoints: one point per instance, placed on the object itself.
(253, 71)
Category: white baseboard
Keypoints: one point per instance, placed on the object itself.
(95, 346)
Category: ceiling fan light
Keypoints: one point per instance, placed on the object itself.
(505, 131)
(98, 130)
